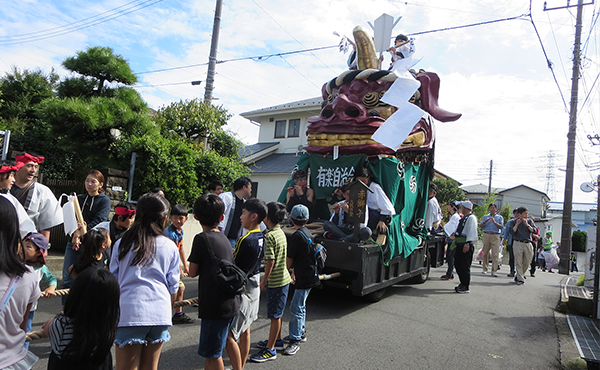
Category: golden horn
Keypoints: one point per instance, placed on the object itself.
(365, 49)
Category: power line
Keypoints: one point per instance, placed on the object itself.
(470, 25)
(72, 27)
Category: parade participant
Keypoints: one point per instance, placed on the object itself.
(95, 207)
(35, 250)
(249, 251)
(380, 206)
(216, 307)
(338, 226)
(7, 179)
(449, 230)
(465, 238)
(234, 200)
(301, 261)
(37, 199)
(300, 193)
(508, 242)
(121, 221)
(276, 279)
(433, 215)
(19, 289)
(491, 225)
(179, 216)
(522, 248)
(215, 187)
(94, 245)
(146, 264)
(81, 337)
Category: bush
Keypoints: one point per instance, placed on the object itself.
(578, 241)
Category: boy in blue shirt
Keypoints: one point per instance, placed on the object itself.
(179, 215)
(248, 254)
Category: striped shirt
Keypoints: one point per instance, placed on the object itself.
(276, 249)
(61, 334)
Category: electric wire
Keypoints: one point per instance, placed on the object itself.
(300, 73)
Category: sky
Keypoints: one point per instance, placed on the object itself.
(515, 112)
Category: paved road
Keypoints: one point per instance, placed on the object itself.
(428, 326)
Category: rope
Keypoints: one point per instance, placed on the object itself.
(35, 335)
(186, 302)
(57, 293)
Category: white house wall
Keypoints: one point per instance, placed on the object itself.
(269, 185)
(286, 144)
(523, 196)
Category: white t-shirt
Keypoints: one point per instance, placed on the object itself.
(12, 338)
(26, 226)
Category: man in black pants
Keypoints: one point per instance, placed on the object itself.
(466, 236)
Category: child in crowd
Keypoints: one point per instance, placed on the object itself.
(247, 256)
(95, 244)
(301, 260)
(216, 307)
(146, 264)
(19, 288)
(179, 215)
(121, 221)
(82, 336)
(276, 279)
(35, 250)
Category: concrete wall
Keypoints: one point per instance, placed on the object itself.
(269, 185)
(286, 145)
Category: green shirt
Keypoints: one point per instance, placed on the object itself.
(276, 249)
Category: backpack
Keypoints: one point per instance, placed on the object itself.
(228, 276)
(318, 250)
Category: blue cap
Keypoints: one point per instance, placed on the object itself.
(299, 213)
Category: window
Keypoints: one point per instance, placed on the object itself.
(279, 129)
(294, 128)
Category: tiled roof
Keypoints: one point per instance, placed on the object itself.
(275, 163)
(479, 189)
(255, 148)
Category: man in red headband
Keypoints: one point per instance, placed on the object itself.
(37, 199)
(121, 221)
(7, 179)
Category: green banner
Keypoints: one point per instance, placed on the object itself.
(327, 174)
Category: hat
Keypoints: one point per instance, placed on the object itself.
(41, 242)
(299, 213)
(467, 205)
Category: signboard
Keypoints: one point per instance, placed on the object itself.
(327, 174)
(357, 205)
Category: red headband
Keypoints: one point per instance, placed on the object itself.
(26, 157)
(5, 169)
(123, 211)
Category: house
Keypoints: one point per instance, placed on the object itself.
(281, 139)
(517, 196)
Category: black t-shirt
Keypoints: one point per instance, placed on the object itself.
(213, 302)
(236, 223)
(249, 251)
(304, 263)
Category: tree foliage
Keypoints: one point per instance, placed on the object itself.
(578, 241)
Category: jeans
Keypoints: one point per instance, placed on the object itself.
(298, 313)
(450, 260)
(71, 257)
(345, 233)
(233, 243)
(28, 328)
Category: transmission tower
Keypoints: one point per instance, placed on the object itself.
(550, 167)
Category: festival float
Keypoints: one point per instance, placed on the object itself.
(383, 119)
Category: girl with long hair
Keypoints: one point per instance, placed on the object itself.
(94, 245)
(146, 264)
(82, 336)
(19, 289)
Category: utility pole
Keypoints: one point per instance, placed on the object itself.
(490, 183)
(212, 60)
(565, 247)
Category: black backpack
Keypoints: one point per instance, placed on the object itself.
(318, 250)
(228, 276)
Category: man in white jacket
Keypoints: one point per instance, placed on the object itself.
(231, 224)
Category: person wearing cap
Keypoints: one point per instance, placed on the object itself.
(300, 193)
(491, 225)
(449, 230)
(466, 236)
(7, 179)
(35, 250)
(522, 247)
(433, 215)
(37, 199)
(301, 261)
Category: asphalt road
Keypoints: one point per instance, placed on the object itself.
(428, 326)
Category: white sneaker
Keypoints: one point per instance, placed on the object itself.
(484, 272)
(494, 274)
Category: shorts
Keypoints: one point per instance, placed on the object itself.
(142, 335)
(276, 298)
(249, 304)
(213, 337)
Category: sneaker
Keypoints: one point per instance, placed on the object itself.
(264, 355)
(263, 344)
(289, 339)
(494, 274)
(484, 272)
(446, 277)
(532, 275)
(182, 319)
(512, 274)
(462, 290)
(520, 282)
(551, 271)
(291, 349)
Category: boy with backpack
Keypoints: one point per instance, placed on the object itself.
(248, 254)
(216, 307)
(277, 281)
(301, 260)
